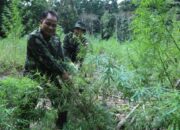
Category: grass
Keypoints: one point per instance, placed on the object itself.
(12, 54)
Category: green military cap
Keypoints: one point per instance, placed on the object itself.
(80, 25)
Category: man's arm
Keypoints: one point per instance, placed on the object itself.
(85, 41)
(43, 56)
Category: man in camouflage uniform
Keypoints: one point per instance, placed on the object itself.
(75, 44)
(44, 51)
(45, 55)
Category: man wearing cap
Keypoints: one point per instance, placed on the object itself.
(75, 44)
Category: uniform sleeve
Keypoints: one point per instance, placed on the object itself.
(85, 41)
(43, 56)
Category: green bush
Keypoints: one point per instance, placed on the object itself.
(15, 95)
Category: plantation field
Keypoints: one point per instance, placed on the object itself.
(134, 88)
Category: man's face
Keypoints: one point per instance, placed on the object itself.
(78, 32)
(48, 25)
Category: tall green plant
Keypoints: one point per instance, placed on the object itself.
(156, 67)
(157, 46)
(12, 25)
(12, 20)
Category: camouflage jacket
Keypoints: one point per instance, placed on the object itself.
(75, 47)
(44, 56)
